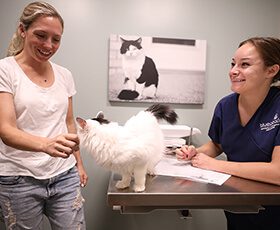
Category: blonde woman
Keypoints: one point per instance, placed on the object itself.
(41, 171)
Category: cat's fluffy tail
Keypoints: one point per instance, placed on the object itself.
(163, 112)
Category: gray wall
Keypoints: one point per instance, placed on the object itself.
(84, 50)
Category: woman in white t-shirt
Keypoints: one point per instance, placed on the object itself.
(41, 171)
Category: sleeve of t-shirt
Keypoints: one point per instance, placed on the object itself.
(67, 79)
(71, 85)
(216, 125)
(277, 137)
(5, 80)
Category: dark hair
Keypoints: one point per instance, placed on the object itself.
(269, 49)
(30, 14)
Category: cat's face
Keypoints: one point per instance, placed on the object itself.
(131, 48)
(84, 125)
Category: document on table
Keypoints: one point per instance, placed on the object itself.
(170, 166)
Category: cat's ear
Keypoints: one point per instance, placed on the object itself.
(123, 40)
(139, 40)
(81, 122)
(100, 115)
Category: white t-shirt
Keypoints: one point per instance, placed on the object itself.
(39, 111)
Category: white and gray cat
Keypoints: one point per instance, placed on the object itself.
(140, 72)
(131, 150)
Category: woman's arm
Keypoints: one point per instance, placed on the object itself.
(260, 171)
(60, 146)
(71, 125)
(211, 149)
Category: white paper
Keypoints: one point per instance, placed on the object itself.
(170, 166)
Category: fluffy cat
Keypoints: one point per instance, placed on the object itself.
(141, 75)
(130, 150)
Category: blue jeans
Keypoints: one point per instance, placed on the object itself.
(24, 200)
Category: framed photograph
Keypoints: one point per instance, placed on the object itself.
(156, 69)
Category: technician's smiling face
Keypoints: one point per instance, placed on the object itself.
(248, 72)
(42, 38)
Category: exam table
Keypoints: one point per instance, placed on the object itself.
(165, 192)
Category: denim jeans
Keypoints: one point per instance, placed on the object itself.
(24, 200)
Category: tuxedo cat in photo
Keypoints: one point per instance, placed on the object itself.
(140, 73)
(132, 150)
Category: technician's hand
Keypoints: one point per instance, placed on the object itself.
(201, 160)
(186, 152)
(62, 146)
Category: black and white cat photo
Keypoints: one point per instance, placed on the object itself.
(141, 77)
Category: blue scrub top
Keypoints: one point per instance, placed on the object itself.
(253, 142)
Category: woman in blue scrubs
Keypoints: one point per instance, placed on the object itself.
(246, 127)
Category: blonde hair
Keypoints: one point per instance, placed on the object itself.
(30, 14)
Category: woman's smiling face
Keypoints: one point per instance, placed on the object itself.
(42, 38)
(248, 71)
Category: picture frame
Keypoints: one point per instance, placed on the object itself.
(180, 64)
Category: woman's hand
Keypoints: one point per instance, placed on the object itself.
(186, 152)
(201, 160)
(62, 146)
(83, 175)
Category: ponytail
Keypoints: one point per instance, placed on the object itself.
(16, 44)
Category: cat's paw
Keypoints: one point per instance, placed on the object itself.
(151, 173)
(121, 185)
(139, 188)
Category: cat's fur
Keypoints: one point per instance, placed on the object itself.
(130, 150)
(141, 75)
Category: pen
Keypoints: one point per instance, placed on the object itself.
(190, 137)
